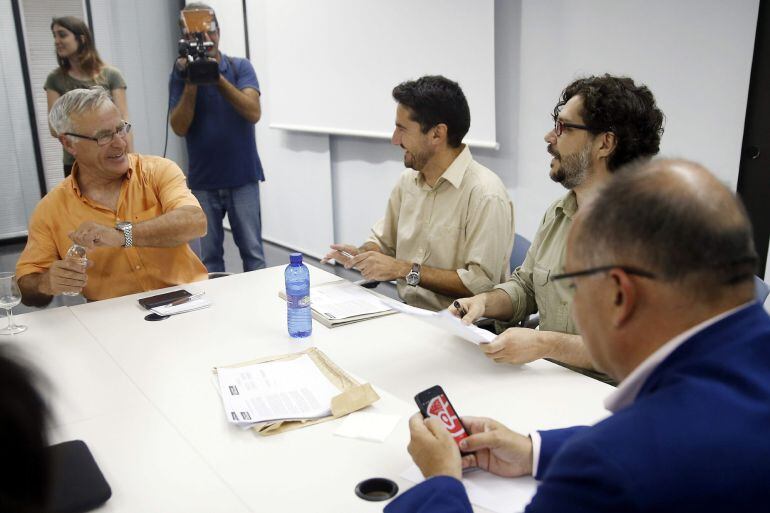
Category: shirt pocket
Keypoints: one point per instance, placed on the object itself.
(554, 312)
(445, 245)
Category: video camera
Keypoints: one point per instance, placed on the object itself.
(200, 69)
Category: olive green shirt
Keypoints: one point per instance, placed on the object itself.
(463, 223)
(61, 82)
(530, 287)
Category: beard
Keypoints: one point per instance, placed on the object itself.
(573, 168)
(415, 160)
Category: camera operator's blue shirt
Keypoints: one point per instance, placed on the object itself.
(221, 144)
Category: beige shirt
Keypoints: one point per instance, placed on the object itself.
(463, 222)
(530, 287)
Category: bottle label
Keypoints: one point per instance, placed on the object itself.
(298, 301)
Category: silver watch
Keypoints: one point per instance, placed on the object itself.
(127, 229)
(413, 278)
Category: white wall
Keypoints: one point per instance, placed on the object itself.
(695, 55)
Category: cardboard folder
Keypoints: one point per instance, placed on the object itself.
(353, 395)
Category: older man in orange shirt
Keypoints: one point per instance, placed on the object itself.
(133, 213)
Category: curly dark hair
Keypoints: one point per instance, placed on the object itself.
(435, 99)
(618, 105)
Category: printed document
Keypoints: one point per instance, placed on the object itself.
(280, 390)
(343, 299)
(446, 321)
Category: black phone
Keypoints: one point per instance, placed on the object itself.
(433, 402)
(163, 299)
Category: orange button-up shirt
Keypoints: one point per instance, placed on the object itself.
(152, 187)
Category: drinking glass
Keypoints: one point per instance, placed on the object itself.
(10, 296)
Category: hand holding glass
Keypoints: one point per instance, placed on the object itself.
(10, 296)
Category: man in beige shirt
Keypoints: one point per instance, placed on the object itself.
(600, 123)
(448, 228)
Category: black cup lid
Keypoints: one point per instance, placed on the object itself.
(376, 489)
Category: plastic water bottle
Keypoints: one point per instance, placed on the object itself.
(76, 253)
(298, 297)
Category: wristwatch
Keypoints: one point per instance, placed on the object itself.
(127, 229)
(413, 278)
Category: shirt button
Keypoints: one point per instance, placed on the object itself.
(138, 267)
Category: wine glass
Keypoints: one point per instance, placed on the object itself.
(10, 296)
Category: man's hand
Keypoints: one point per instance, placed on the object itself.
(376, 266)
(181, 64)
(433, 449)
(64, 276)
(336, 253)
(471, 308)
(495, 448)
(94, 235)
(516, 346)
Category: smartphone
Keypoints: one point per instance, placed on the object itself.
(433, 402)
(163, 299)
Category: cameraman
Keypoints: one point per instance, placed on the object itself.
(217, 120)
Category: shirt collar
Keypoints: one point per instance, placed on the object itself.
(627, 390)
(455, 173)
(568, 204)
(76, 169)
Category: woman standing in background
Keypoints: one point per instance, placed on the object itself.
(81, 68)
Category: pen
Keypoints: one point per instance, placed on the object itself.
(184, 300)
(460, 308)
(346, 254)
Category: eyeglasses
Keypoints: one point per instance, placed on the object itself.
(559, 126)
(594, 270)
(104, 140)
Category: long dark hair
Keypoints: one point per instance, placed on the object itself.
(87, 54)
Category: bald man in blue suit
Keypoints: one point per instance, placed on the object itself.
(661, 264)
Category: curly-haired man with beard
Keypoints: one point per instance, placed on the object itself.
(600, 124)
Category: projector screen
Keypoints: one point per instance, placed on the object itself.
(333, 64)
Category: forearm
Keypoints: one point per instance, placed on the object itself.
(497, 305)
(33, 290)
(183, 114)
(246, 106)
(441, 281)
(171, 229)
(566, 348)
(369, 246)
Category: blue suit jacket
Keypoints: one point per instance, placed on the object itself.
(696, 438)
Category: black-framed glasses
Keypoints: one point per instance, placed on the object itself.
(105, 139)
(594, 270)
(559, 126)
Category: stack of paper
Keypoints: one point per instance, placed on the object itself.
(342, 302)
(445, 321)
(279, 390)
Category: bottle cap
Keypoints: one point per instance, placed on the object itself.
(295, 258)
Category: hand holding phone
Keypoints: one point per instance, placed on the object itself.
(433, 402)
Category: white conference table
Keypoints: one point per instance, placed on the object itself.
(142, 396)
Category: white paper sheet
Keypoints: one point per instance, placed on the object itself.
(342, 300)
(374, 427)
(187, 306)
(488, 491)
(291, 389)
(445, 321)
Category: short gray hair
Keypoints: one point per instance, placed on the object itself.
(75, 102)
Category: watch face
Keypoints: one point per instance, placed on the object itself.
(412, 278)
